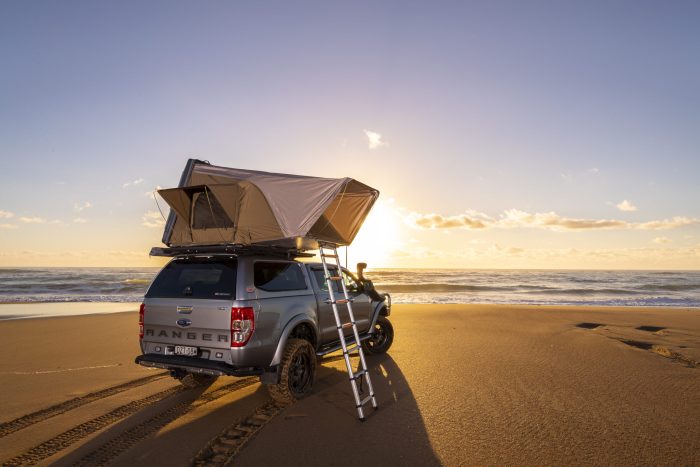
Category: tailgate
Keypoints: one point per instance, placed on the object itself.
(198, 323)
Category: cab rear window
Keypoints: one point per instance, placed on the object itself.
(196, 279)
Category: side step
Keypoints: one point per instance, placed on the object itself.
(338, 346)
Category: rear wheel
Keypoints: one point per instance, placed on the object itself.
(297, 372)
(197, 380)
(382, 337)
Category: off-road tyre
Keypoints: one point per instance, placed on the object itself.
(382, 338)
(297, 373)
(197, 380)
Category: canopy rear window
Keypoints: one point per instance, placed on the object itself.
(213, 279)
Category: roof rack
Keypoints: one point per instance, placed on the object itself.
(238, 250)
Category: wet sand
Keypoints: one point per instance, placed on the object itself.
(462, 385)
(46, 310)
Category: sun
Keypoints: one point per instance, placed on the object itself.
(379, 236)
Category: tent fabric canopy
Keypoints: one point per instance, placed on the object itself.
(219, 205)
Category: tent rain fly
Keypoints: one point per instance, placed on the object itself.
(218, 205)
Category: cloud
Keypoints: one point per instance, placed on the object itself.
(6, 214)
(552, 221)
(625, 205)
(79, 220)
(138, 181)
(79, 207)
(374, 140)
(152, 219)
(665, 224)
(33, 220)
(662, 240)
(7, 226)
(470, 220)
(514, 218)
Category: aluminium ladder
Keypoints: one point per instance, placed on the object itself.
(352, 345)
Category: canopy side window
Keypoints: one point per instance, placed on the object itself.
(278, 276)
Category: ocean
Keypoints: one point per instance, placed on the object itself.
(533, 287)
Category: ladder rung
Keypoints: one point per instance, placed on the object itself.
(358, 374)
(334, 278)
(365, 400)
(350, 348)
(326, 255)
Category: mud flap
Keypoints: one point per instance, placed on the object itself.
(271, 375)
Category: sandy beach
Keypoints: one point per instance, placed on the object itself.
(462, 385)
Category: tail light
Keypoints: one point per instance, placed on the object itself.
(242, 325)
(141, 312)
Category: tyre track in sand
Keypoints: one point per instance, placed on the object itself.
(234, 437)
(77, 433)
(122, 442)
(223, 448)
(25, 421)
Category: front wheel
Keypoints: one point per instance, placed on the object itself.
(382, 337)
(297, 372)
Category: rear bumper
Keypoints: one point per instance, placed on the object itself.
(195, 365)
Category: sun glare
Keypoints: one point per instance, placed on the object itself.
(378, 237)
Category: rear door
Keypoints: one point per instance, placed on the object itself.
(189, 303)
(326, 319)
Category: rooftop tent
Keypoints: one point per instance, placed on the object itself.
(218, 205)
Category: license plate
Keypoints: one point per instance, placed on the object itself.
(184, 350)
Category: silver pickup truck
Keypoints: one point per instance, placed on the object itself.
(241, 315)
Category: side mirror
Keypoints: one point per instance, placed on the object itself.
(360, 269)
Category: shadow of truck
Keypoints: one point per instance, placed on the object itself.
(323, 429)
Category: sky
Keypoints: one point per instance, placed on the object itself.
(501, 134)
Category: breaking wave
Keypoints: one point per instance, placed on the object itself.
(37, 285)
(541, 287)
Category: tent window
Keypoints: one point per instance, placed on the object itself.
(208, 216)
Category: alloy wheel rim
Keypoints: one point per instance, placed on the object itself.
(379, 337)
(299, 373)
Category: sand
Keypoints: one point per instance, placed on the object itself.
(462, 385)
(33, 310)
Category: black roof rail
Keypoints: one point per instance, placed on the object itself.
(237, 250)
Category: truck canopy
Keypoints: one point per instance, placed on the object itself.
(219, 205)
